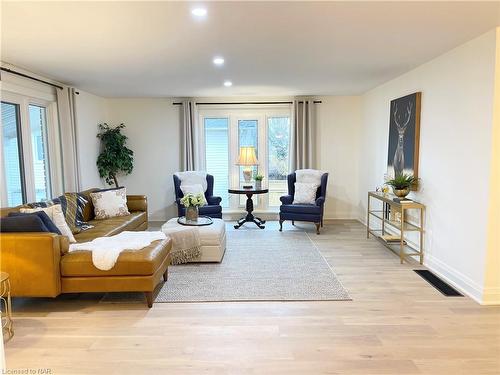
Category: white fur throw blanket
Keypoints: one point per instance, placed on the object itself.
(106, 250)
(193, 178)
(186, 242)
(309, 176)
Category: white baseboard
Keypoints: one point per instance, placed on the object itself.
(458, 280)
(455, 278)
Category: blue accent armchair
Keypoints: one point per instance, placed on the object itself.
(212, 209)
(303, 212)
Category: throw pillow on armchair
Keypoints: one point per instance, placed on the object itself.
(305, 193)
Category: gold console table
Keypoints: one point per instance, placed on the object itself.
(6, 307)
(394, 225)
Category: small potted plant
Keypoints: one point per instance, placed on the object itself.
(192, 202)
(258, 181)
(401, 184)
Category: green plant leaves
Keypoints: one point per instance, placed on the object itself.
(115, 157)
(402, 181)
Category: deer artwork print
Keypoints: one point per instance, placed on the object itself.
(404, 128)
(401, 119)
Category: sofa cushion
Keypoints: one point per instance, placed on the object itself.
(300, 208)
(25, 223)
(88, 208)
(45, 219)
(56, 214)
(112, 226)
(72, 205)
(142, 262)
(7, 210)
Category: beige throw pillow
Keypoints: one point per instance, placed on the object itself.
(56, 214)
(110, 203)
(305, 193)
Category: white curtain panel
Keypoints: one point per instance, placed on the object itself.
(303, 134)
(189, 141)
(67, 128)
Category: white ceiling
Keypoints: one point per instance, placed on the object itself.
(271, 48)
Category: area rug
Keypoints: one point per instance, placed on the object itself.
(258, 265)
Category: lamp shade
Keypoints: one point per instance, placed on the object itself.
(247, 156)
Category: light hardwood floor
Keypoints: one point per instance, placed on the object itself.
(396, 324)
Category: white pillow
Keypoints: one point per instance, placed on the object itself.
(305, 193)
(56, 214)
(194, 189)
(110, 203)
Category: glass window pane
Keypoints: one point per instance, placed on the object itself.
(248, 137)
(13, 167)
(38, 125)
(217, 155)
(278, 157)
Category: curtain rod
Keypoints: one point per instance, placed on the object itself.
(239, 103)
(30, 77)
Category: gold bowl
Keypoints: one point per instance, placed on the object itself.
(401, 193)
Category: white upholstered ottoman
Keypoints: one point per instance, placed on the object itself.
(213, 241)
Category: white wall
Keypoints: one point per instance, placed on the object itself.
(492, 278)
(339, 123)
(153, 128)
(91, 110)
(455, 152)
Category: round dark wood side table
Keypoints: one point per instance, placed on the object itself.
(249, 192)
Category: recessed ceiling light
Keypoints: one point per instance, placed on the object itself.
(199, 12)
(228, 83)
(218, 60)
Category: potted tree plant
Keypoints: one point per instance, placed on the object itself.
(115, 157)
(401, 184)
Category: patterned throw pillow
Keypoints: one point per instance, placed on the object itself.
(72, 205)
(305, 193)
(55, 214)
(110, 203)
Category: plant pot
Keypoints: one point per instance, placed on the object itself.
(192, 213)
(258, 185)
(401, 193)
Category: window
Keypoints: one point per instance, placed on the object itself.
(26, 174)
(248, 137)
(225, 130)
(12, 157)
(278, 138)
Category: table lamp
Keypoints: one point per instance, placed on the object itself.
(247, 159)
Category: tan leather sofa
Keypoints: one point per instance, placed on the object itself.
(40, 265)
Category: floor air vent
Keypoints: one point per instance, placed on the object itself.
(445, 288)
